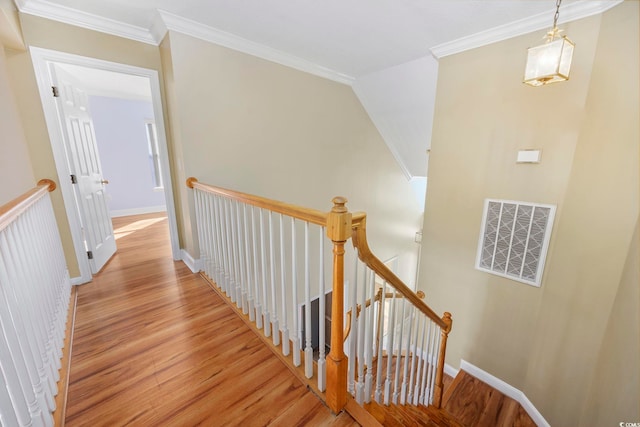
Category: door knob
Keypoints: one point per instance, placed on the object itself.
(104, 181)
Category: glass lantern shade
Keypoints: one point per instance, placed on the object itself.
(549, 63)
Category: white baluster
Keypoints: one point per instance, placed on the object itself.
(308, 349)
(322, 369)
(231, 289)
(353, 335)
(370, 332)
(274, 302)
(378, 392)
(242, 297)
(420, 353)
(285, 308)
(265, 295)
(250, 277)
(425, 363)
(407, 357)
(434, 363)
(361, 322)
(256, 272)
(235, 233)
(294, 282)
(390, 334)
(247, 306)
(7, 407)
(396, 378)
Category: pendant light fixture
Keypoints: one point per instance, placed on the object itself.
(551, 61)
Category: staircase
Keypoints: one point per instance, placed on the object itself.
(467, 402)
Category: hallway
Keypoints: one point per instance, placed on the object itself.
(154, 345)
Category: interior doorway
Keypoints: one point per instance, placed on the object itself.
(85, 76)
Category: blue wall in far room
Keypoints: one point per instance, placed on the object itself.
(124, 153)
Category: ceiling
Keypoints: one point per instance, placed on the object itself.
(349, 38)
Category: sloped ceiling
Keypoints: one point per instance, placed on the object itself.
(386, 49)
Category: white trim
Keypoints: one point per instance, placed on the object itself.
(571, 12)
(450, 370)
(137, 211)
(195, 265)
(166, 21)
(507, 390)
(68, 15)
(75, 281)
(41, 58)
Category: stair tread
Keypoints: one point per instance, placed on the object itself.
(403, 415)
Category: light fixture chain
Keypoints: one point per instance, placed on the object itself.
(557, 15)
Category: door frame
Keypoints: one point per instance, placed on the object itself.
(40, 58)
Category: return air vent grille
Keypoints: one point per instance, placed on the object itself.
(514, 238)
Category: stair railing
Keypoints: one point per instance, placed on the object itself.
(398, 345)
(270, 260)
(35, 293)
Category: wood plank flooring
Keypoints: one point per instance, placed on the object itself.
(475, 404)
(154, 345)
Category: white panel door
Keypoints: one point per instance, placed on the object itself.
(84, 164)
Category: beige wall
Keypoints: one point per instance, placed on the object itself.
(252, 125)
(53, 35)
(15, 166)
(544, 341)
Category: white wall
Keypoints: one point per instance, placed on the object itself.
(400, 101)
(122, 143)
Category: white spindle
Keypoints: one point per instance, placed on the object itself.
(250, 278)
(390, 341)
(308, 349)
(294, 282)
(235, 233)
(242, 292)
(265, 296)
(352, 304)
(361, 322)
(370, 331)
(396, 378)
(407, 357)
(322, 373)
(378, 391)
(231, 289)
(274, 301)
(224, 235)
(285, 308)
(256, 272)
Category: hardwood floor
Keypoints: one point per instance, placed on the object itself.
(154, 345)
(475, 404)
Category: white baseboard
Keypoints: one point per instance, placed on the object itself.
(75, 281)
(193, 264)
(507, 390)
(137, 211)
(450, 370)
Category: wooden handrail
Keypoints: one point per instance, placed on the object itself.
(305, 214)
(359, 239)
(10, 211)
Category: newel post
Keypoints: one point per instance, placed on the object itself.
(339, 231)
(444, 334)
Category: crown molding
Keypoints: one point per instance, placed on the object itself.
(570, 12)
(166, 21)
(67, 15)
